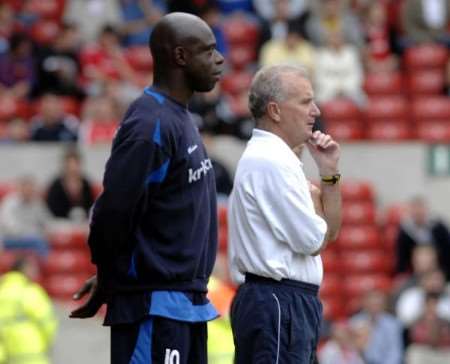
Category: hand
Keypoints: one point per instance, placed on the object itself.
(325, 152)
(94, 302)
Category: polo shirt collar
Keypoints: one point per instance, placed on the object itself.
(285, 150)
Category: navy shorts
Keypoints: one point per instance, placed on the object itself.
(159, 340)
(275, 322)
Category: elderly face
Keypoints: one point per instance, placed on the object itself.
(298, 110)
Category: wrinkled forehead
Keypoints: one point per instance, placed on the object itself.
(295, 83)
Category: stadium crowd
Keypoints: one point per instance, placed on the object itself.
(381, 71)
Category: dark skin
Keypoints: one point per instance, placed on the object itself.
(185, 61)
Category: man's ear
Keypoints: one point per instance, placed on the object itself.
(273, 111)
(179, 54)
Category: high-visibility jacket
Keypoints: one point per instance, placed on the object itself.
(220, 337)
(27, 321)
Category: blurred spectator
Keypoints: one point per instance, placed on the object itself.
(221, 293)
(18, 131)
(430, 336)
(70, 194)
(224, 181)
(419, 228)
(59, 65)
(29, 323)
(338, 71)
(90, 16)
(8, 25)
(52, 124)
(231, 6)
(426, 21)
(447, 78)
(17, 68)
(187, 6)
(330, 16)
(377, 53)
(27, 16)
(411, 303)
(104, 63)
(385, 343)
(292, 49)
(424, 260)
(138, 18)
(100, 119)
(276, 15)
(211, 15)
(340, 349)
(211, 111)
(270, 10)
(24, 218)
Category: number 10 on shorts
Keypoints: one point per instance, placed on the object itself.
(172, 357)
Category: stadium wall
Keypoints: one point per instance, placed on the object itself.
(397, 171)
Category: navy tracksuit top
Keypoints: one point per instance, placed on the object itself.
(154, 227)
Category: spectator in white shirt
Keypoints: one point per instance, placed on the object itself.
(279, 222)
(338, 71)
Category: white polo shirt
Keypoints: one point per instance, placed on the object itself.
(273, 227)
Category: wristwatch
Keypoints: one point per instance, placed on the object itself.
(332, 179)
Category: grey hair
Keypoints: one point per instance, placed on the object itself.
(267, 86)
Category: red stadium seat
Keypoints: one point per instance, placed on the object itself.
(426, 56)
(63, 286)
(68, 261)
(357, 190)
(239, 29)
(426, 82)
(331, 260)
(387, 108)
(390, 130)
(4, 131)
(7, 259)
(49, 9)
(358, 212)
(390, 233)
(383, 84)
(431, 108)
(367, 262)
(394, 214)
(358, 238)
(97, 189)
(434, 131)
(139, 58)
(345, 130)
(356, 285)
(340, 109)
(239, 105)
(331, 286)
(234, 83)
(223, 239)
(240, 56)
(11, 107)
(6, 188)
(334, 308)
(45, 32)
(68, 239)
(223, 215)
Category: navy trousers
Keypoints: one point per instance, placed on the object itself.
(275, 322)
(159, 340)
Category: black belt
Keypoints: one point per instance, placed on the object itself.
(305, 287)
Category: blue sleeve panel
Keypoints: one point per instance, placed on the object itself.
(154, 227)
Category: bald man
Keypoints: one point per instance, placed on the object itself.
(153, 233)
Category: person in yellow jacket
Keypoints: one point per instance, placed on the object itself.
(220, 337)
(27, 320)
